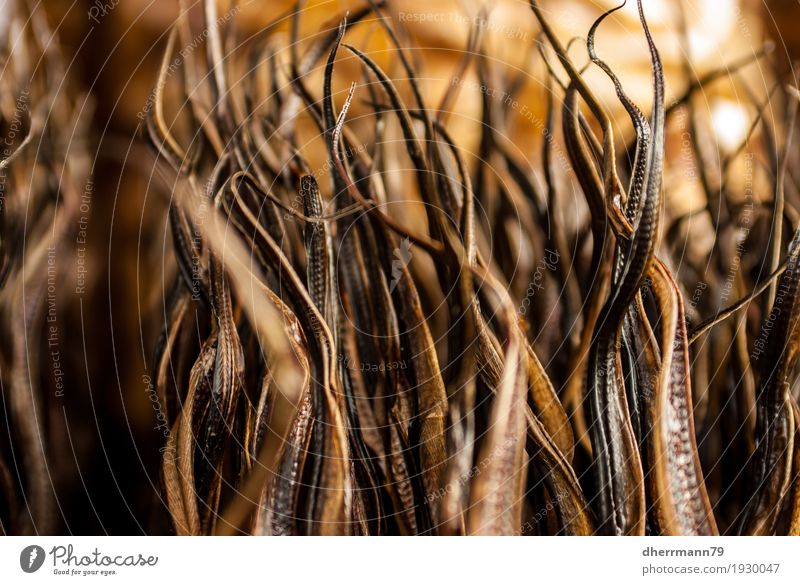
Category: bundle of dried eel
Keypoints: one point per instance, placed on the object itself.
(358, 350)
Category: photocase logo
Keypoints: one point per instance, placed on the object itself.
(402, 258)
(31, 558)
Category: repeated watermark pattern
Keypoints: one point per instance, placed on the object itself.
(522, 109)
(473, 472)
(100, 9)
(549, 262)
(187, 52)
(480, 21)
(348, 363)
(402, 257)
(84, 210)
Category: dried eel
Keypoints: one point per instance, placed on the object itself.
(679, 500)
(771, 465)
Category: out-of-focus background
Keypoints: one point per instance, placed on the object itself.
(112, 51)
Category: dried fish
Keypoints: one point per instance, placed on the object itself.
(375, 323)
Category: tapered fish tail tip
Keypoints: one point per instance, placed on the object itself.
(599, 21)
(646, 27)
